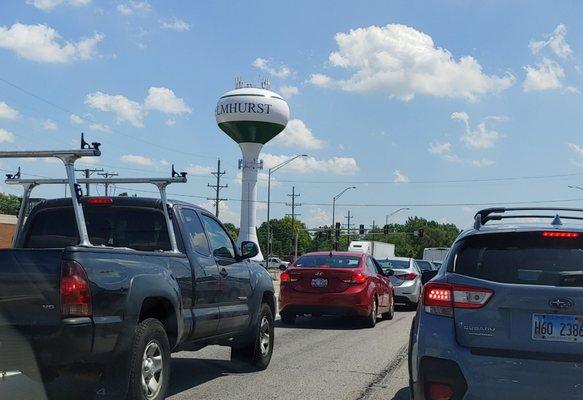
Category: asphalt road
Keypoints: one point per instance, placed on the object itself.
(317, 358)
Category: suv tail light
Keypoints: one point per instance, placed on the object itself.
(356, 279)
(442, 298)
(75, 292)
(411, 276)
(285, 277)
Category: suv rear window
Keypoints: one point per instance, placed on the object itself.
(136, 228)
(312, 261)
(521, 258)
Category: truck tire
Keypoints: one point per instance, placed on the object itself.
(259, 350)
(150, 362)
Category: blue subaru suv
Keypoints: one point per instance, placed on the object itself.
(503, 317)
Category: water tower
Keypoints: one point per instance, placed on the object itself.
(251, 117)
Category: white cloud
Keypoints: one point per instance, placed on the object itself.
(226, 214)
(576, 148)
(75, 119)
(176, 24)
(482, 162)
(289, 91)
(6, 136)
(303, 165)
(138, 160)
(170, 122)
(400, 177)
(480, 138)
(7, 112)
(121, 106)
(321, 80)
(572, 90)
(199, 170)
(133, 6)
(49, 5)
(401, 62)
(282, 72)
(49, 125)
(164, 100)
(41, 43)
(544, 76)
(297, 134)
(319, 217)
(100, 127)
(439, 148)
(555, 41)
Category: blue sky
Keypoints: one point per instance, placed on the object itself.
(417, 104)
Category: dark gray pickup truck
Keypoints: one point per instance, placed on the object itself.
(117, 308)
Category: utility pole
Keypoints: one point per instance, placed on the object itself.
(217, 187)
(107, 175)
(88, 172)
(348, 217)
(293, 214)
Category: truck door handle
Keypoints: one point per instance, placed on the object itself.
(223, 272)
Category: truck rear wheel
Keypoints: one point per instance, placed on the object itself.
(260, 349)
(150, 363)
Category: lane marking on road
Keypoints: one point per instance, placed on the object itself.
(391, 367)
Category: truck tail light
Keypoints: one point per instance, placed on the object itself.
(356, 279)
(439, 391)
(411, 276)
(75, 292)
(99, 201)
(442, 298)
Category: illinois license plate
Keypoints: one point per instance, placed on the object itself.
(319, 282)
(557, 328)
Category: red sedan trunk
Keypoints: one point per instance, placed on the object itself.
(337, 283)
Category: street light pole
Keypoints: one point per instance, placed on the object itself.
(393, 213)
(269, 172)
(335, 242)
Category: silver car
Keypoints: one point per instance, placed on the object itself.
(406, 279)
(503, 318)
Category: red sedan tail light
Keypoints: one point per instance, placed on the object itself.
(285, 277)
(356, 279)
(442, 298)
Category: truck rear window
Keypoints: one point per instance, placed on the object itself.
(521, 258)
(136, 228)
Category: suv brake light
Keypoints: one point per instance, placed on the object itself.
(99, 201)
(411, 276)
(559, 234)
(75, 292)
(442, 298)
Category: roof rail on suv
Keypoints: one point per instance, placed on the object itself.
(496, 214)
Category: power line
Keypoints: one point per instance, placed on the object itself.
(107, 175)
(217, 187)
(88, 172)
(293, 204)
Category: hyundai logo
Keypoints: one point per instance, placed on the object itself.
(561, 303)
(319, 273)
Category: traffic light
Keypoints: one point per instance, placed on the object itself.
(361, 229)
(337, 230)
(386, 229)
(421, 232)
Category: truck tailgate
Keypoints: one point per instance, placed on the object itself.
(29, 288)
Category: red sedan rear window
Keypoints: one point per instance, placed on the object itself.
(312, 261)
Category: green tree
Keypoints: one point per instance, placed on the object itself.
(9, 204)
(232, 230)
(283, 232)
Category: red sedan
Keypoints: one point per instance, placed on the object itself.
(336, 283)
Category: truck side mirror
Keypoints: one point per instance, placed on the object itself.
(249, 250)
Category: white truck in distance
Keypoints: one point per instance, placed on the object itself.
(435, 254)
(378, 250)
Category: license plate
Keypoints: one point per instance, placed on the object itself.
(557, 328)
(319, 282)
